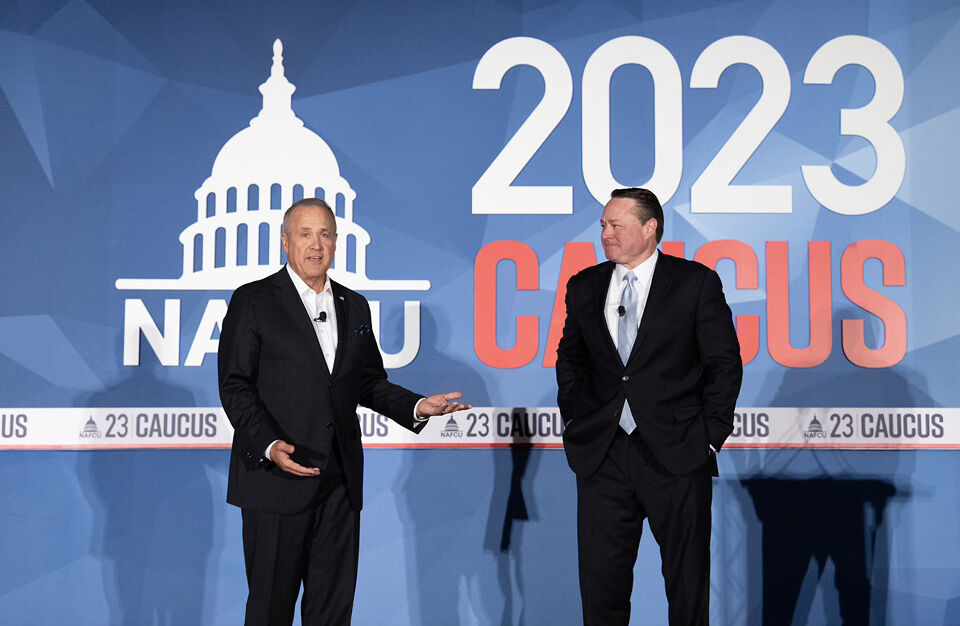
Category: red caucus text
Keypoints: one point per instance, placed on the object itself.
(579, 255)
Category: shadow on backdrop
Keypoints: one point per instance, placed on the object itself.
(507, 507)
(815, 520)
(826, 506)
(153, 511)
(436, 524)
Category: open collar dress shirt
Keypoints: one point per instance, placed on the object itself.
(315, 303)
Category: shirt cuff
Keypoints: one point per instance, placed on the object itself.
(417, 418)
(266, 454)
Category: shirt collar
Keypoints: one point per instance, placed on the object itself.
(302, 287)
(643, 272)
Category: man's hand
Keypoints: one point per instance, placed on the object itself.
(280, 454)
(441, 404)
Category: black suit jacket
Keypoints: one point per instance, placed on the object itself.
(682, 378)
(274, 384)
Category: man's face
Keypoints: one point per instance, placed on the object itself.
(310, 241)
(626, 240)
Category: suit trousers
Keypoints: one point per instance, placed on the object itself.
(631, 486)
(318, 548)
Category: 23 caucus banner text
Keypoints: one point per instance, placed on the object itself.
(480, 427)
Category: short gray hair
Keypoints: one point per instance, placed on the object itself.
(314, 202)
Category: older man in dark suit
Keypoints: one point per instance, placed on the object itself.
(297, 355)
(648, 370)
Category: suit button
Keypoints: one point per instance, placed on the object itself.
(625, 378)
(329, 424)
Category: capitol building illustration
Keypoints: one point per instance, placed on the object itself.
(258, 173)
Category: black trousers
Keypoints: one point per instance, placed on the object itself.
(317, 548)
(631, 486)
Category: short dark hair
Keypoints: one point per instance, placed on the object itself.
(314, 202)
(648, 207)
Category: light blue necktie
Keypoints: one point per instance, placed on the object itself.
(626, 335)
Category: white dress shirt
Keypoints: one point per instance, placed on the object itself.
(315, 303)
(644, 274)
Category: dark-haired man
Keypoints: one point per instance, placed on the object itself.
(648, 371)
(297, 355)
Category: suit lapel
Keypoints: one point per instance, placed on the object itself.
(343, 322)
(599, 300)
(293, 305)
(660, 285)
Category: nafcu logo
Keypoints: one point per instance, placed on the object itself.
(452, 429)
(815, 430)
(235, 239)
(90, 430)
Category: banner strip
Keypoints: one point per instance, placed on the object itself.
(122, 428)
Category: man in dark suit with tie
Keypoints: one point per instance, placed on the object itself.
(648, 370)
(297, 355)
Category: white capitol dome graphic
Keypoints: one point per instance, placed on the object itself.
(258, 173)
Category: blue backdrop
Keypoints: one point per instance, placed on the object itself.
(807, 150)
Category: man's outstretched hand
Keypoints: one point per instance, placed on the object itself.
(441, 404)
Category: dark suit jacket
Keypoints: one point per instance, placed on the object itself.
(682, 378)
(274, 384)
